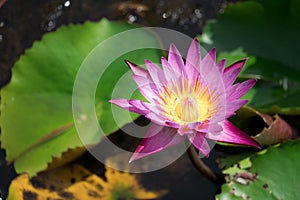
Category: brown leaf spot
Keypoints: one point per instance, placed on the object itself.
(265, 186)
(244, 178)
(52, 188)
(29, 195)
(92, 193)
(232, 191)
(66, 195)
(72, 180)
(35, 182)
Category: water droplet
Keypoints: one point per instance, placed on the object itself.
(51, 24)
(198, 13)
(131, 18)
(67, 4)
(165, 15)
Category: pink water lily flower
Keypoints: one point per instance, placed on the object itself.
(190, 100)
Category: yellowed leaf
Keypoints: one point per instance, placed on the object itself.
(77, 183)
(277, 131)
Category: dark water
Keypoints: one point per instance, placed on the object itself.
(23, 22)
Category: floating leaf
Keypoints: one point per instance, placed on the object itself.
(231, 160)
(270, 174)
(36, 106)
(76, 182)
(269, 31)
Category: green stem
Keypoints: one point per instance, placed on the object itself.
(202, 167)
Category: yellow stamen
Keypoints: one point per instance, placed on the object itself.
(188, 103)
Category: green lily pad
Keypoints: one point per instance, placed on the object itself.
(269, 174)
(36, 106)
(269, 31)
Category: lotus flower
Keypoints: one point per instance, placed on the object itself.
(188, 101)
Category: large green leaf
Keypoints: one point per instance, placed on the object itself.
(36, 106)
(270, 174)
(268, 30)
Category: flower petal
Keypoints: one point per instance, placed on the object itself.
(221, 65)
(157, 139)
(175, 59)
(212, 78)
(136, 106)
(171, 75)
(234, 106)
(137, 70)
(231, 72)
(147, 88)
(239, 89)
(232, 134)
(209, 127)
(199, 141)
(155, 72)
(155, 116)
(208, 61)
(188, 128)
(193, 60)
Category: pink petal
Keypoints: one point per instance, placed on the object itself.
(212, 77)
(191, 74)
(136, 106)
(193, 59)
(175, 59)
(232, 134)
(137, 70)
(221, 65)
(231, 72)
(211, 55)
(156, 117)
(209, 127)
(233, 106)
(171, 75)
(239, 89)
(162, 138)
(208, 62)
(172, 124)
(199, 141)
(155, 72)
(147, 88)
(194, 55)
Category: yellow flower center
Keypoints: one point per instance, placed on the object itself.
(188, 103)
(187, 109)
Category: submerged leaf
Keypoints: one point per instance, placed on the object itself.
(76, 182)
